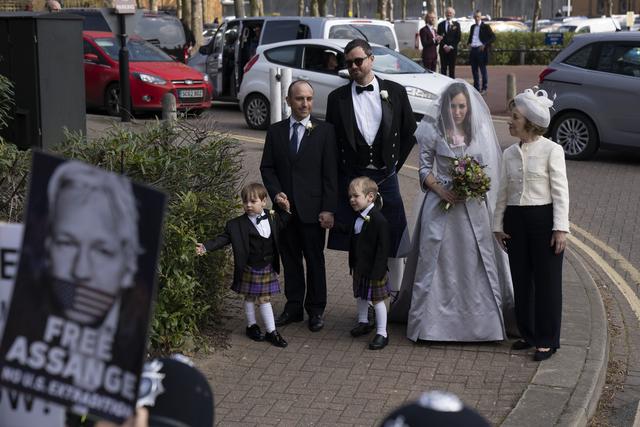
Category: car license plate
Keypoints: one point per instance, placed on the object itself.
(191, 93)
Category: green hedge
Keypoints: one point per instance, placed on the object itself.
(200, 171)
(506, 49)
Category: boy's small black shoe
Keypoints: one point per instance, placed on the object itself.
(520, 345)
(379, 342)
(539, 356)
(254, 332)
(276, 339)
(361, 329)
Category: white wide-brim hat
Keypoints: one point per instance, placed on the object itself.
(534, 105)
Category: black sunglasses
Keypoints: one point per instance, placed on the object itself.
(357, 61)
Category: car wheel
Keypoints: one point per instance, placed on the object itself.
(257, 111)
(577, 134)
(112, 99)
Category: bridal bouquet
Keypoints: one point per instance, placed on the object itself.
(469, 180)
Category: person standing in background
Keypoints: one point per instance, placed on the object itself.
(480, 38)
(429, 39)
(449, 30)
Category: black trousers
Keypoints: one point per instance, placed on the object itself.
(536, 272)
(298, 241)
(448, 63)
(479, 60)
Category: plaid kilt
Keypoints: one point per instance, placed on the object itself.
(370, 290)
(257, 282)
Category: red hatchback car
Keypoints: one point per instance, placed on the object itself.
(152, 74)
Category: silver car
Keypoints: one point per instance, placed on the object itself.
(596, 81)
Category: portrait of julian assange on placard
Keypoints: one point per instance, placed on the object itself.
(78, 321)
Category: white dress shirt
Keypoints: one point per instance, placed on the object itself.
(301, 129)
(533, 175)
(263, 228)
(357, 227)
(367, 107)
(475, 38)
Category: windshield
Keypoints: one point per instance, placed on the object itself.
(391, 62)
(567, 28)
(166, 30)
(377, 34)
(139, 50)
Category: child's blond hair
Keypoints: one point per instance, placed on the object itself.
(364, 184)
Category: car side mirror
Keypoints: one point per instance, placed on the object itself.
(91, 57)
(344, 73)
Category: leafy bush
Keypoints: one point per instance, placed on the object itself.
(506, 49)
(200, 172)
(6, 101)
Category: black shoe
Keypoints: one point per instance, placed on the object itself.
(285, 318)
(275, 338)
(379, 342)
(316, 323)
(254, 332)
(539, 356)
(520, 345)
(361, 329)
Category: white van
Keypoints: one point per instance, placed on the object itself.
(235, 42)
(408, 33)
(591, 25)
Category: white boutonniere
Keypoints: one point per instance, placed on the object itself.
(384, 95)
(272, 212)
(309, 127)
(367, 218)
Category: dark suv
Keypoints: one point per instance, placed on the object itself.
(160, 29)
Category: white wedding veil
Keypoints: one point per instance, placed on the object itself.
(479, 133)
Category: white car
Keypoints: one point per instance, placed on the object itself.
(311, 60)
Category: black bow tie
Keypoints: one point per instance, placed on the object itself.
(360, 89)
(260, 218)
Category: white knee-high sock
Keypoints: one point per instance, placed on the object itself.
(250, 312)
(396, 270)
(363, 310)
(267, 317)
(381, 318)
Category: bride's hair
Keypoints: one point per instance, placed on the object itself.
(445, 110)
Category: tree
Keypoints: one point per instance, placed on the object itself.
(403, 4)
(314, 8)
(196, 22)
(473, 6)
(239, 8)
(536, 15)
(179, 9)
(153, 5)
(300, 7)
(349, 7)
(390, 7)
(186, 11)
(382, 9)
(497, 8)
(609, 8)
(322, 7)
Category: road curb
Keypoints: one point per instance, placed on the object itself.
(566, 388)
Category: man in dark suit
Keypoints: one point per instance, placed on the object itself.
(449, 30)
(480, 38)
(429, 40)
(374, 127)
(299, 165)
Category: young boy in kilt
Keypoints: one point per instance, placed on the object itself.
(254, 240)
(368, 252)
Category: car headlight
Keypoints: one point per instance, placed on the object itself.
(150, 78)
(205, 77)
(420, 93)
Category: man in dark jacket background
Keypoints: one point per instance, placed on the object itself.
(480, 38)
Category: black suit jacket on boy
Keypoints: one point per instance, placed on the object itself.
(398, 125)
(368, 252)
(236, 232)
(451, 37)
(310, 178)
(486, 35)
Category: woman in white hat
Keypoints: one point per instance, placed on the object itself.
(531, 222)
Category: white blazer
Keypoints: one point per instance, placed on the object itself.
(532, 175)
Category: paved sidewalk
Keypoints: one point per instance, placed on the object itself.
(330, 378)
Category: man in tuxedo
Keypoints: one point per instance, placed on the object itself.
(449, 30)
(429, 40)
(480, 38)
(374, 127)
(299, 165)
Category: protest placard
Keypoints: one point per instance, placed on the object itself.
(78, 321)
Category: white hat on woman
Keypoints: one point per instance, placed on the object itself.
(534, 105)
